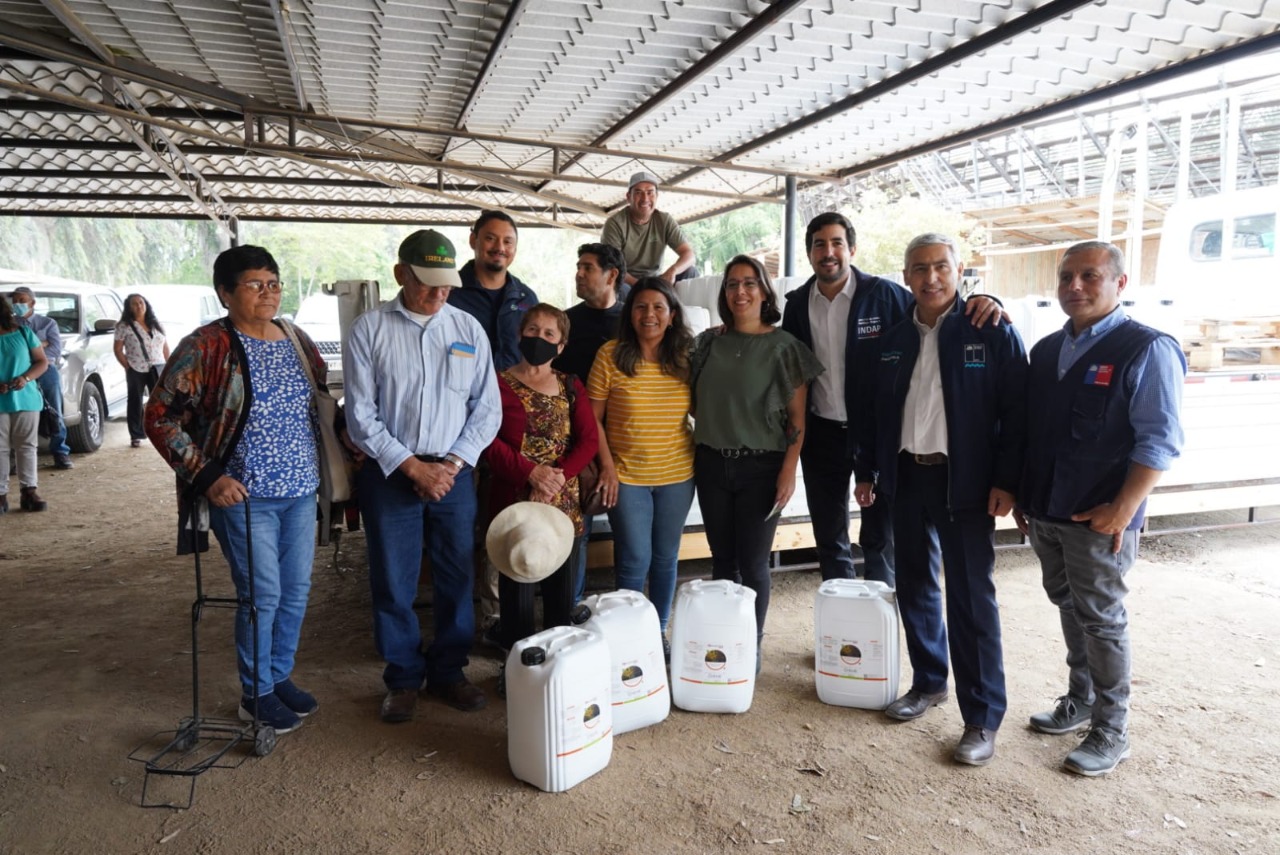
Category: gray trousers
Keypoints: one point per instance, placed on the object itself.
(1085, 580)
(18, 431)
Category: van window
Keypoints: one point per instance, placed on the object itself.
(1255, 237)
(61, 308)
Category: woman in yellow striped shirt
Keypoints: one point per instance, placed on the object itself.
(639, 390)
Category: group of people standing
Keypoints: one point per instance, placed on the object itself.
(917, 400)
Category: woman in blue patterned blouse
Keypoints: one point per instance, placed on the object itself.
(233, 415)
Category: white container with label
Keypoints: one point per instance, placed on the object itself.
(713, 647)
(559, 716)
(855, 653)
(629, 623)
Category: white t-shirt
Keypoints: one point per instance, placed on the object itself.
(138, 359)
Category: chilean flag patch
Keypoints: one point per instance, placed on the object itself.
(1099, 375)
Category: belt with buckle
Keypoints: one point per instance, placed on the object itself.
(734, 453)
(936, 458)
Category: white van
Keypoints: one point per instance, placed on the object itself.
(1218, 255)
(179, 308)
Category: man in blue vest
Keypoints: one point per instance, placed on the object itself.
(1103, 405)
(947, 441)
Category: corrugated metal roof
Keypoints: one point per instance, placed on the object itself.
(412, 110)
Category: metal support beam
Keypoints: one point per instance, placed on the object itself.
(789, 230)
(509, 22)
(284, 24)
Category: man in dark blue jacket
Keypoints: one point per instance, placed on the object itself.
(1104, 404)
(948, 440)
(840, 314)
(489, 292)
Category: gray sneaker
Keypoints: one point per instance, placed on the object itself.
(1069, 714)
(1099, 753)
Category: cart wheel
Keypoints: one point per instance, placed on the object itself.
(186, 738)
(264, 741)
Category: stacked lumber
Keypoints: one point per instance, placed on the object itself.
(1211, 344)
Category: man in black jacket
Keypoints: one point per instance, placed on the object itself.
(947, 440)
(840, 314)
(489, 292)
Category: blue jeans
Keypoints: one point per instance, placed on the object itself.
(735, 495)
(647, 523)
(1085, 580)
(396, 522)
(51, 387)
(827, 465)
(284, 547)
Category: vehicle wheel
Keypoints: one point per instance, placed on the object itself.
(264, 741)
(87, 436)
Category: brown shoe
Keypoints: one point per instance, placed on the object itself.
(399, 705)
(31, 500)
(461, 695)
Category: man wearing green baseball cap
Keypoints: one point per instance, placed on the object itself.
(422, 403)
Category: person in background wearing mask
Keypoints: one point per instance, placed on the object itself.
(548, 435)
(46, 330)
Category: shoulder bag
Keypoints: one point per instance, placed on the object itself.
(335, 478)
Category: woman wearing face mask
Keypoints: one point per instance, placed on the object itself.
(548, 436)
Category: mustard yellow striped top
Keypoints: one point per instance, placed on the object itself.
(644, 421)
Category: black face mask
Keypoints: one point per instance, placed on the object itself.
(537, 350)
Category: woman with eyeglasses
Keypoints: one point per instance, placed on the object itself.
(749, 387)
(233, 414)
(143, 350)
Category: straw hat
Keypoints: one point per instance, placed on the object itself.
(528, 541)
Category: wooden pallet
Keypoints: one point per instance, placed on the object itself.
(1207, 354)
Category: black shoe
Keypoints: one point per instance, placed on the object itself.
(302, 703)
(914, 704)
(271, 713)
(461, 695)
(977, 747)
(63, 461)
(502, 681)
(1068, 714)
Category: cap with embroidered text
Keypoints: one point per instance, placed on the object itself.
(432, 257)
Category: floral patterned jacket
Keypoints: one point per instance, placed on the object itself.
(197, 413)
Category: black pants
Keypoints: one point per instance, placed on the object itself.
(828, 468)
(515, 601)
(735, 495)
(138, 384)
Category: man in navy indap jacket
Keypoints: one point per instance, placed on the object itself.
(948, 440)
(840, 314)
(1104, 403)
(489, 292)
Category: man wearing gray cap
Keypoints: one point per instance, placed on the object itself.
(46, 330)
(422, 403)
(643, 233)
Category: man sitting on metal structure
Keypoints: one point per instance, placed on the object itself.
(46, 330)
(643, 233)
(948, 440)
(1104, 403)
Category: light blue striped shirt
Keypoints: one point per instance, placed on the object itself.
(414, 389)
(1154, 381)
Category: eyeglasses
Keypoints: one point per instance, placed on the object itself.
(257, 286)
(743, 284)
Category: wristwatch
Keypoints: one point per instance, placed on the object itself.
(457, 462)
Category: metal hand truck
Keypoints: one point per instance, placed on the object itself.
(201, 743)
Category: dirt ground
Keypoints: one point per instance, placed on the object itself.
(95, 653)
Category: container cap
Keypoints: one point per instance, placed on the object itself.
(581, 614)
(533, 656)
